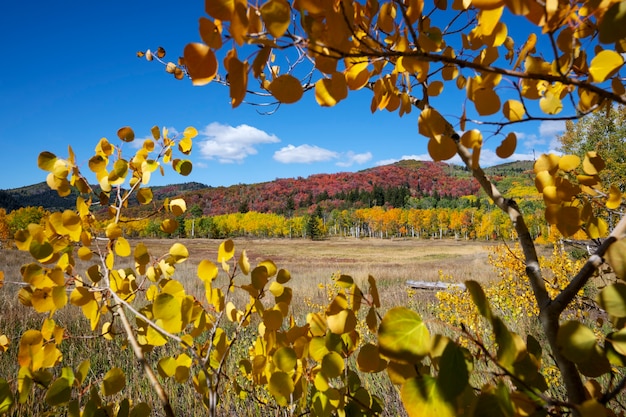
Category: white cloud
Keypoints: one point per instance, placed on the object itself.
(352, 158)
(422, 157)
(304, 154)
(230, 144)
(551, 128)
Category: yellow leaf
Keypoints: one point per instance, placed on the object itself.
(226, 251)
(357, 75)
(144, 196)
(46, 161)
(178, 206)
(435, 88)
(486, 101)
(513, 110)
(593, 163)
(550, 103)
(615, 198)
(472, 139)
(546, 162)
(201, 63)
(286, 88)
(277, 16)
(605, 64)
(207, 271)
(122, 247)
(169, 225)
(441, 149)
(569, 162)
(179, 252)
(507, 147)
(330, 91)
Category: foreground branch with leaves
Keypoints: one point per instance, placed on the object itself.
(407, 54)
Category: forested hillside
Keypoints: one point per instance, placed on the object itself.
(403, 184)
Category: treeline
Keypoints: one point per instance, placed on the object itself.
(485, 223)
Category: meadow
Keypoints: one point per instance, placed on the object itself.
(311, 264)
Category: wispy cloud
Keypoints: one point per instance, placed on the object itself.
(307, 154)
(351, 158)
(550, 128)
(230, 144)
(304, 154)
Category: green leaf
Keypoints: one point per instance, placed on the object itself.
(59, 392)
(141, 410)
(332, 365)
(479, 298)
(612, 298)
(453, 375)
(616, 257)
(114, 381)
(281, 387)
(421, 397)
(6, 396)
(576, 341)
(403, 336)
(612, 28)
(285, 359)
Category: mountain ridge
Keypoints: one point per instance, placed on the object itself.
(381, 185)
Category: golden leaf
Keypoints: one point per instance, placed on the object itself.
(277, 15)
(569, 162)
(605, 64)
(237, 77)
(286, 88)
(126, 134)
(593, 163)
(441, 149)
(550, 103)
(507, 147)
(201, 63)
(210, 34)
(513, 110)
(615, 198)
(220, 9)
(330, 91)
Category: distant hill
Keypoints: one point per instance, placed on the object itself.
(388, 185)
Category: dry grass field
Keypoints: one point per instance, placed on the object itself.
(311, 263)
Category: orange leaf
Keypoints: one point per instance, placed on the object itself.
(237, 77)
(201, 63)
(286, 88)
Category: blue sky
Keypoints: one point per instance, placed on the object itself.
(70, 76)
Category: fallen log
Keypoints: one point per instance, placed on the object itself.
(430, 285)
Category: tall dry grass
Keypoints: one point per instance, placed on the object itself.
(311, 263)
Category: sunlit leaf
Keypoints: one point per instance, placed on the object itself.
(330, 91)
(179, 252)
(207, 271)
(605, 64)
(513, 110)
(122, 247)
(201, 63)
(210, 34)
(593, 163)
(615, 198)
(226, 251)
(403, 336)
